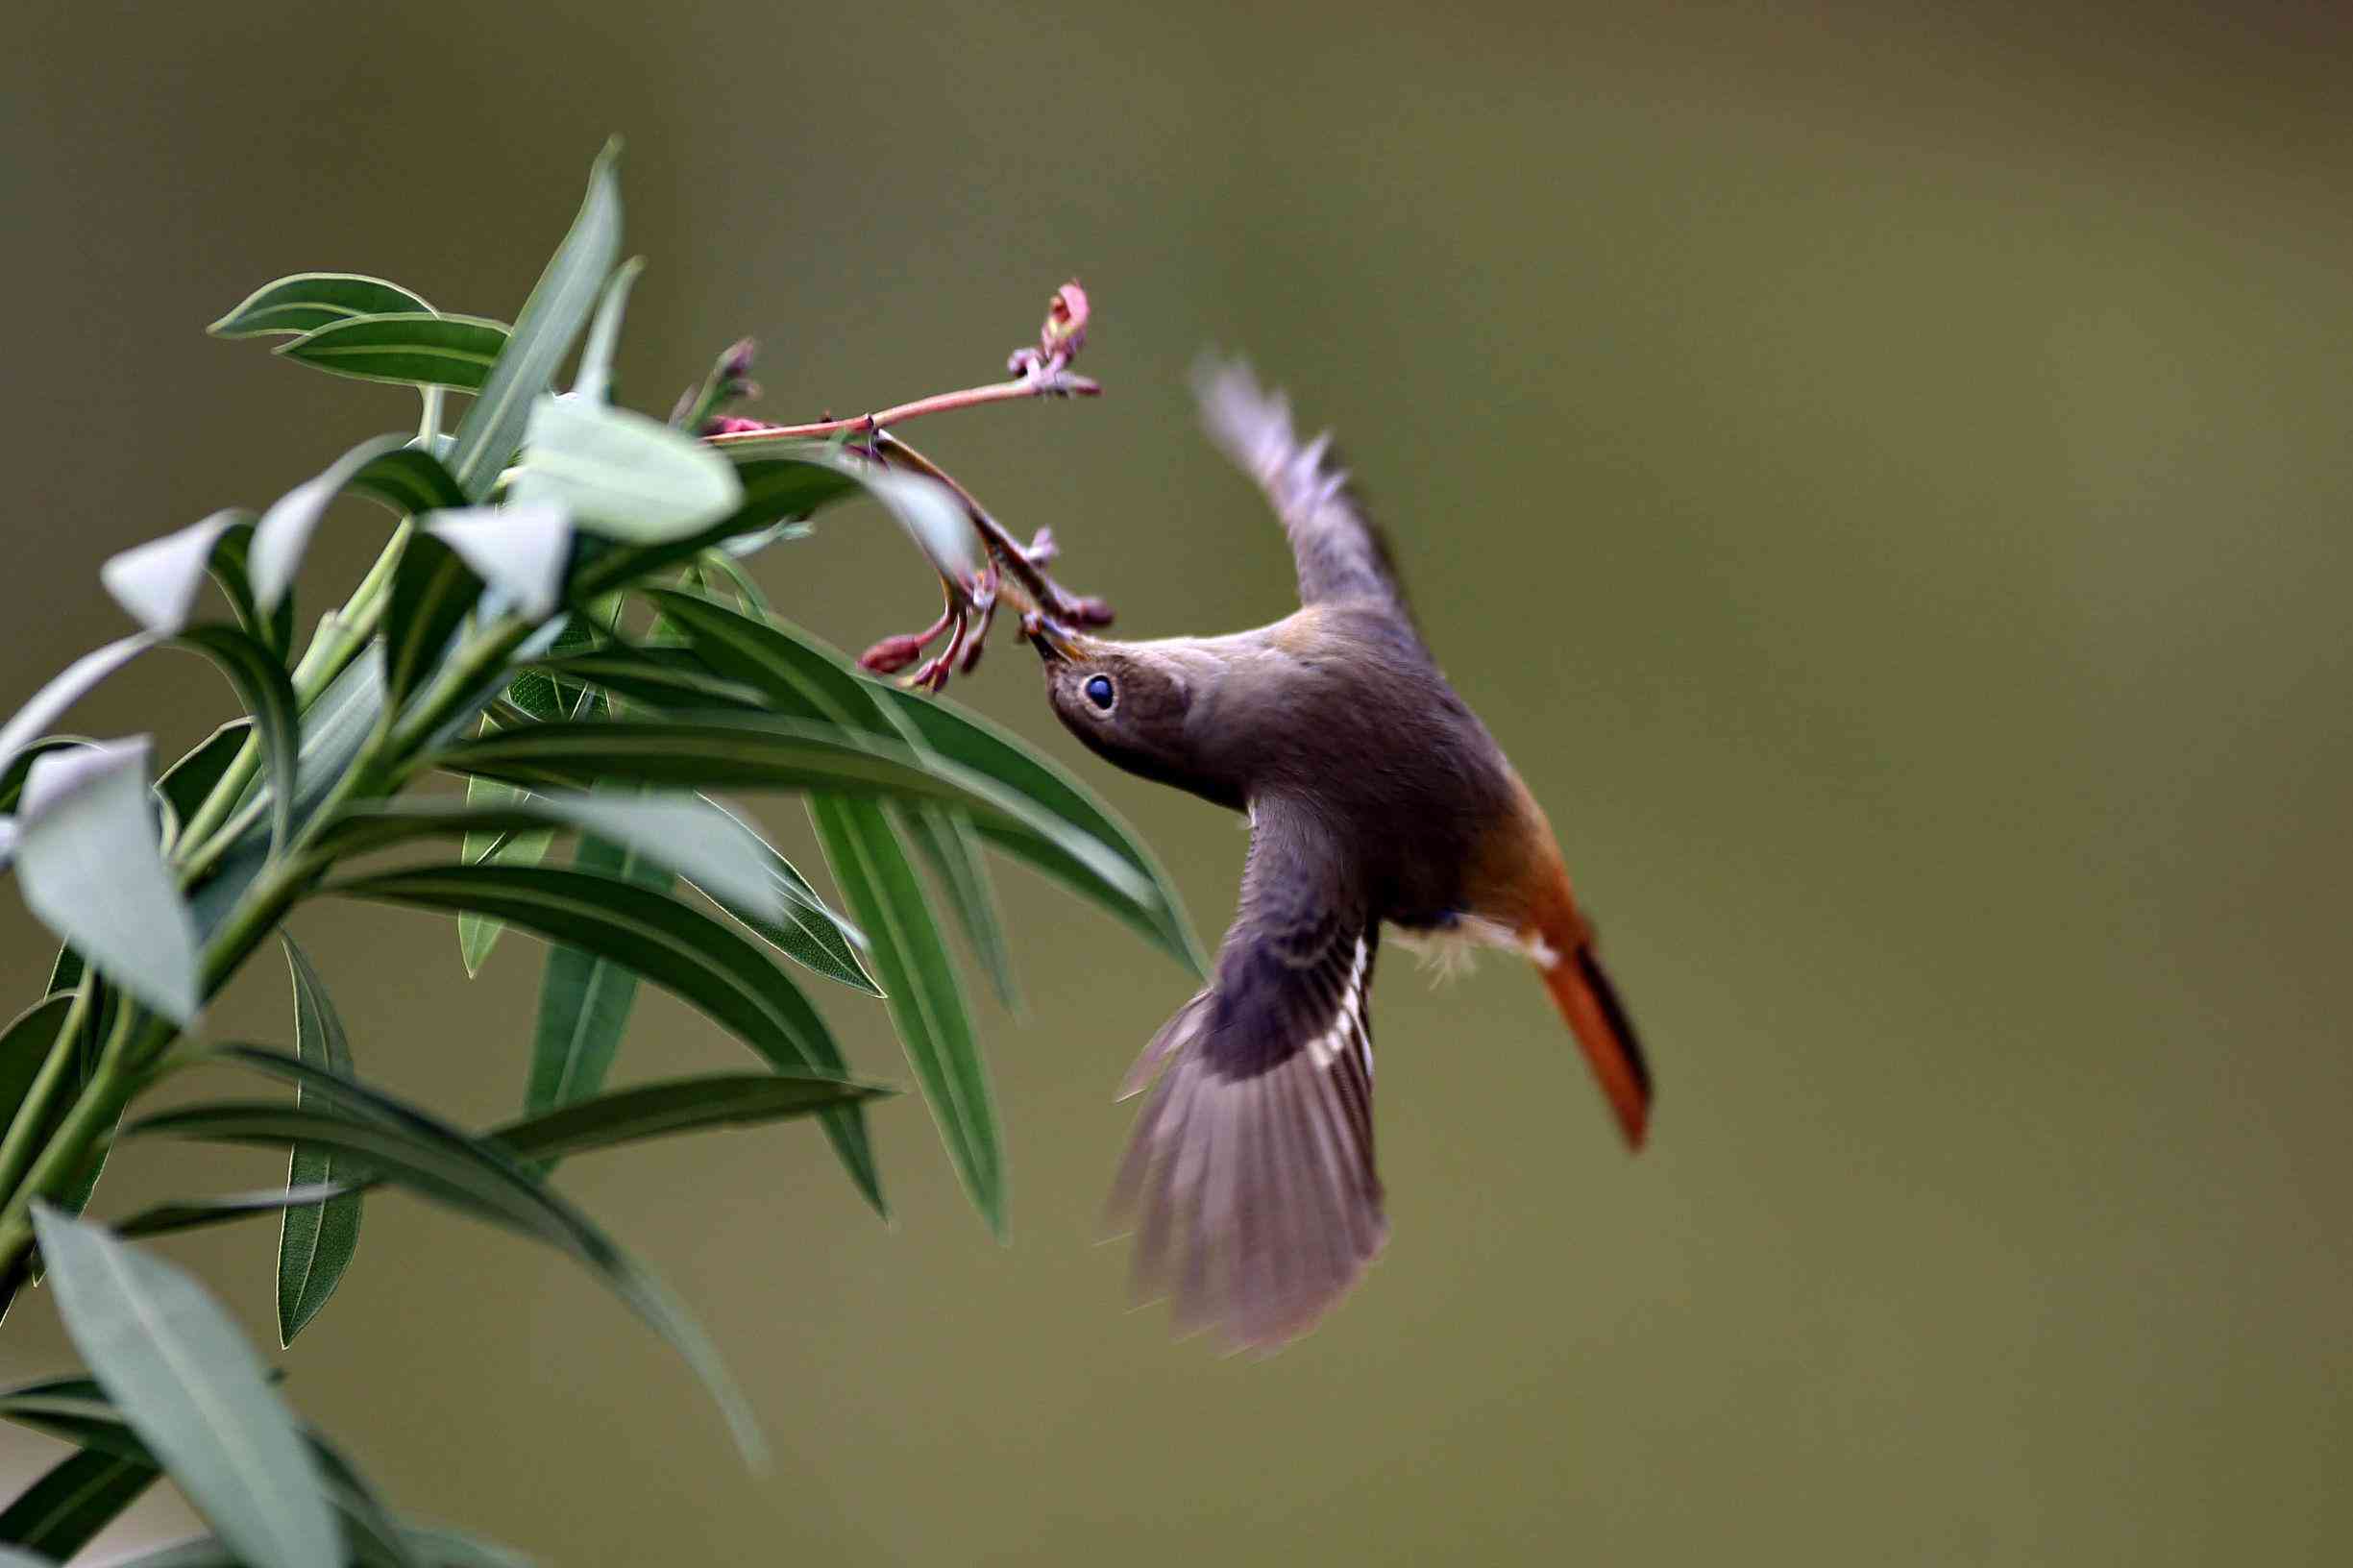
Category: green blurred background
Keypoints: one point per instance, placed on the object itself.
(1880, 471)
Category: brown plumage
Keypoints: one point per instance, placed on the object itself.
(1375, 797)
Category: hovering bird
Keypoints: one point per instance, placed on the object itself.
(1375, 797)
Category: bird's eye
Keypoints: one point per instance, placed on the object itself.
(1098, 691)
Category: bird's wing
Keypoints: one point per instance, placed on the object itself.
(1249, 1176)
(1340, 552)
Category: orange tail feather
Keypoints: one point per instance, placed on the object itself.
(1590, 1005)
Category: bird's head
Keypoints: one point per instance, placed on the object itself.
(1138, 706)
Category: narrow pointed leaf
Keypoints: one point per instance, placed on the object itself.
(950, 847)
(403, 1145)
(65, 688)
(187, 782)
(262, 681)
(677, 1105)
(431, 591)
(634, 1114)
(552, 318)
(683, 832)
(90, 869)
(595, 380)
(230, 566)
(961, 737)
(77, 1411)
(734, 750)
(194, 1392)
(585, 1000)
(663, 678)
(676, 946)
(927, 1006)
(65, 1508)
(25, 1046)
(315, 1242)
(220, 1208)
(408, 348)
(157, 582)
(304, 301)
(805, 930)
(12, 778)
(520, 550)
(409, 481)
(284, 533)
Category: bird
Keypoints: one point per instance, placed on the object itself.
(1376, 798)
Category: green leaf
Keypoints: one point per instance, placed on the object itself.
(520, 550)
(13, 779)
(409, 481)
(552, 317)
(273, 630)
(63, 1510)
(316, 1243)
(216, 1208)
(964, 738)
(403, 1145)
(268, 694)
(626, 1116)
(89, 868)
(308, 300)
(950, 845)
(408, 348)
(284, 530)
(621, 475)
(193, 1390)
(663, 940)
(775, 490)
(683, 832)
(595, 380)
(431, 591)
(158, 582)
(186, 783)
(736, 750)
(24, 1045)
(584, 1001)
(662, 677)
(62, 692)
(677, 1105)
(927, 1006)
(77, 1411)
(807, 932)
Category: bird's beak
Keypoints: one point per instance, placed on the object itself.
(1054, 644)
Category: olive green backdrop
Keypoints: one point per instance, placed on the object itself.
(1881, 471)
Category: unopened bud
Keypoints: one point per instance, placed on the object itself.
(1091, 612)
(1064, 331)
(892, 654)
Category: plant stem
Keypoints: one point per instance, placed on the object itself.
(1059, 384)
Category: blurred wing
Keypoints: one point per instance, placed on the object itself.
(1249, 1176)
(1339, 553)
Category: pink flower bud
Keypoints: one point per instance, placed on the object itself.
(1064, 331)
(892, 654)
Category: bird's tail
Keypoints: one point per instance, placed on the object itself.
(1591, 1006)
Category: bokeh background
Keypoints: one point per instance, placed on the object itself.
(1880, 470)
